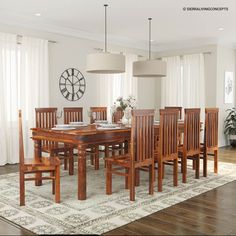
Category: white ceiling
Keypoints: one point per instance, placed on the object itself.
(172, 27)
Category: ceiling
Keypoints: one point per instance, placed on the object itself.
(172, 27)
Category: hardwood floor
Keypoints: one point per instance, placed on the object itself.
(211, 213)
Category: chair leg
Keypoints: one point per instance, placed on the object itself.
(137, 177)
(53, 174)
(163, 170)
(216, 161)
(151, 179)
(205, 164)
(57, 184)
(197, 166)
(175, 174)
(96, 158)
(194, 164)
(132, 184)
(71, 162)
(65, 160)
(182, 168)
(108, 178)
(159, 177)
(22, 188)
(184, 164)
(127, 178)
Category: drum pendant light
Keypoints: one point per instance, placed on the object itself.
(149, 68)
(105, 62)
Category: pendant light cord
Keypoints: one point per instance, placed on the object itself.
(105, 5)
(150, 22)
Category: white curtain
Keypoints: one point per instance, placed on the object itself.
(171, 85)
(24, 77)
(113, 86)
(184, 83)
(34, 76)
(8, 98)
(193, 81)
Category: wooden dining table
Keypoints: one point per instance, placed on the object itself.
(82, 138)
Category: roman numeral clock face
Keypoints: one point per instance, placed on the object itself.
(72, 84)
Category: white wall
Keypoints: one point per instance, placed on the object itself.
(225, 62)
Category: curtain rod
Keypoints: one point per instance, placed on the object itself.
(50, 41)
(190, 53)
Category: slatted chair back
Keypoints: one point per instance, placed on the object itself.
(46, 118)
(211, 127)
(21, 142)
(178, 108)
(142, 136)
(72, 114)
(168, 134)
(117, 116)
(98, 113)
(192, 130)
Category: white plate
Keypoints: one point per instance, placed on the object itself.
(101, 121)
(108, 125)
(103, 128)
(63, 128)
(77, 123)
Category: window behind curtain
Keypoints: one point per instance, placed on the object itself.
(184, 83)
(24, 82)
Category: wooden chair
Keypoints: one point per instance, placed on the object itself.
(98, 113)
(191, 144)
(72, 114)
(116, 118)
(141, 153)
(31, 166)
(167, 150)
(47, 118)
(210, 145)
(178, 108)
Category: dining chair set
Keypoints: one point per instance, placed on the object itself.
(152, 145)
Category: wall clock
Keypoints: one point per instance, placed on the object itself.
(72, 84)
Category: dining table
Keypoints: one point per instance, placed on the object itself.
(82, 138)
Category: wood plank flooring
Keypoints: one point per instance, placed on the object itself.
(211, 213)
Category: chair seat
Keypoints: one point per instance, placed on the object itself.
(44, 164)
(44, 161)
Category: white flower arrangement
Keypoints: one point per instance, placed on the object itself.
(122, 103)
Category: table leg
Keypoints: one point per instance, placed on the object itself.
(37, 156)
(81, 172)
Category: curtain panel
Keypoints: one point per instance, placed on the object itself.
(184, 84)
(24, 77)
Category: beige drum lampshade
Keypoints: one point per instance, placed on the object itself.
(149, 68)
(105, 63)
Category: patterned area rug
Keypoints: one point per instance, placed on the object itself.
(99, 213)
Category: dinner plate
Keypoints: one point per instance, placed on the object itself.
(63, 128)
(101, 121)
(108, 125)
(77, 123)
(106, 128)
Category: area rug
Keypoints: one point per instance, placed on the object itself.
(99, 213)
